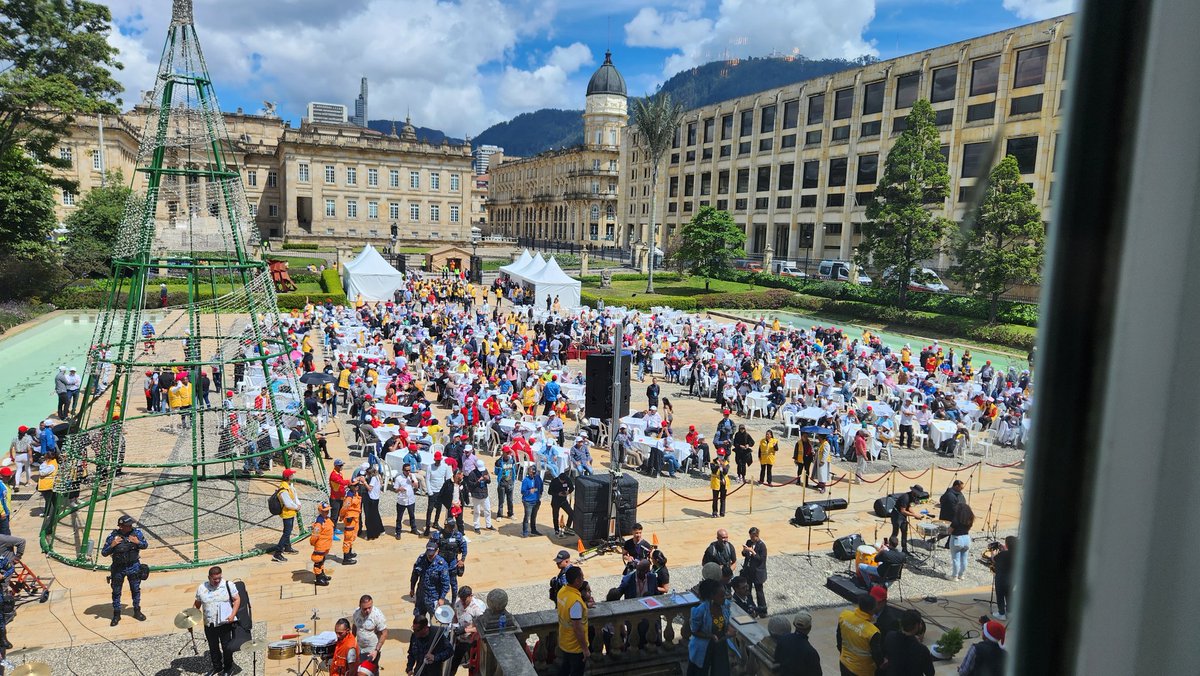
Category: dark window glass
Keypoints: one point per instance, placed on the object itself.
(812, 137)
(943, 84)
(675, 142)
(747, 123)
(1066, 52)
(788, 141)
(1023, 105)
(673, 187)
(690, 156)
(791, 114)
(906, 90)
(1054, 155)
(763, 182)
(744, 148)
(873, 98)
(722, 204)
(762, 203)
(743, 180)
(837, 171)
(706, 153)
(943, 117)
(862, 199)
(783, 202)
(840, 133)
(674, 158)
(706, 183)
(945, 151)
(981, 111)
(816, 108)
(765, 145)
(985, 73)
(785, 176)
(843, 103)
(740, 204)
(687, 206)
(868, 169)
(726, 150)
(709, 126)
(672, 208)
(812, 174)
(835, 199)
(726, 127)
(964, 193)
(723, 181)
(1031, 66)
(766, 120)
(974, 160)
(899, 124)
(808, 201)
(691, 133)
(870, 128)
(1025, 150)
(689, 185)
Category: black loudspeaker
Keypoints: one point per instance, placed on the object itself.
(591, 506)
(844, 548)
(598, 389)
(476, 270)
(402, 262)
(810, 514)
(832, 504)
(885, 506)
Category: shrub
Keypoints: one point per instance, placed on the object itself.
(774, 299)
(637, 303)
(301, 246)
(331, 282)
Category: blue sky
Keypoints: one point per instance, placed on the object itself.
(462, 65)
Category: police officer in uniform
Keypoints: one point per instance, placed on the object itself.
(124, 546)
(452, 547)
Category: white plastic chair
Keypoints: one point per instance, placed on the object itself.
(792, 422)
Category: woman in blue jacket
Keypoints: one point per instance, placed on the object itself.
(712, 630)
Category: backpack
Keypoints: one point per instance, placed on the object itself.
(555, 585)
(274, 504)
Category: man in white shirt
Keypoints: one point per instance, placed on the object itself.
(369, 639)
(439, 472)
(467, 609)
(406, 498)
(219, 602)
(908, 413)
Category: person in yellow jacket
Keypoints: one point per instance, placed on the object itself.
(859, 640)
(306, 343)
(529, 397)
(321, 540)
(47, 471)
(719, 482)
(766, 456)
(572, 624)
(351, 516)
(291, 507)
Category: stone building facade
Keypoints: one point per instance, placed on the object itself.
(796, 165)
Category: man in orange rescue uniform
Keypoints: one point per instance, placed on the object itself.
(321, 540)
(351, 513)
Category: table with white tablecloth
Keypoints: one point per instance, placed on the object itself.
(848, 432)
(756, 401)
(941, 430)
(393, 409)
(634, 424)
(682, 450)
(792, 382)
(395, 461)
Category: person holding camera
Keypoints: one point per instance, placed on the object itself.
(124, 546)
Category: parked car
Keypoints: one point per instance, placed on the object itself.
(839, 271)
(748, 266)
(922, 279)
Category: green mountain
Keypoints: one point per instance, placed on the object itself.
(433, 136)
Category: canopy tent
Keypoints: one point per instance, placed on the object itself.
(551, 281)
(520, 274)
(521, 262)
(371, 278)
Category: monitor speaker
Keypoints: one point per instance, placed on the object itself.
(844, 548)
(810, 514)
(598, 389)
(591, 506)
(885, 506)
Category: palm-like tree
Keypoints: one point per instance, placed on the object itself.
(657, 119)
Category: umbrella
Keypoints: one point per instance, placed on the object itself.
(813, 429)
(296, 354)
(317, 378)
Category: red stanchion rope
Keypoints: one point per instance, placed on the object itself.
(958, 469)
(681, 495)
(877, 479)
(786, 483)
(1004, 466)
(912, 477)
(648, 499)
(837, 481)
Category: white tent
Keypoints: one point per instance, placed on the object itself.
(521, 262)
(520, 274)
(371, 278)
(551, 281)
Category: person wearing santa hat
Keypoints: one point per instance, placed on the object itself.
(987, 657)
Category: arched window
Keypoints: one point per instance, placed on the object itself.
(595, 212)
(611, 212)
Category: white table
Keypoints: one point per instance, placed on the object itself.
(756, 401)
(395, 409)
(395, 461)
(941, 430)
(634, 424)
(792, 382)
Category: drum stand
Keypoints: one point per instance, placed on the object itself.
(316, 665)
(195, 649)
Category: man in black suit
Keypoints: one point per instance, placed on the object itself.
(794, 655)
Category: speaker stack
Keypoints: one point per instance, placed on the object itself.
(591, 506)
(844, 548)
(598, 390)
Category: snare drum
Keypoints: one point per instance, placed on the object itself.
(865, 554)
(281, 650)
(932, 529)
(317, 646)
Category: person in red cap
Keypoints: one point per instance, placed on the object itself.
(291, 506)
(987, 657)
(20, 450)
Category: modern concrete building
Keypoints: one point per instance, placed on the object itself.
(483, 155)
(360, 105)
(326, 113)
(796, 165)
(569, 195)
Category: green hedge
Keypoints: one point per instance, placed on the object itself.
(593, 300)
(331, 284)
(301, 246)
(633, 277)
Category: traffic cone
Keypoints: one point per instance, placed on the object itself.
(579, 544)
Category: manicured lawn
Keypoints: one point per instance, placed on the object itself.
(298, 262)
(692, 286)
(413, 249)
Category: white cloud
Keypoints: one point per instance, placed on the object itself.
(427, 55)
(547, 86)
(814, 28)
(1034, 10)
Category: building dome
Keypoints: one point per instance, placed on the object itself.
(606, 79)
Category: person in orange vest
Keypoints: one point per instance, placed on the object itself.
(351, 513)
(345, 651)
(321, 540)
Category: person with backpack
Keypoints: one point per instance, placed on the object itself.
(219, 601)
(284, 503)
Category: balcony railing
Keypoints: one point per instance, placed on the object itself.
(592, 172)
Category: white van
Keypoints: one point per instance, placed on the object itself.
(839, 271)
(786, 269)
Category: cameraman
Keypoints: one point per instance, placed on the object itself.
(124, 546)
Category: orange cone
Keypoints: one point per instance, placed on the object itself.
(579, 544)
(654, 538)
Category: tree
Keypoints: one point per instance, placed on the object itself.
(902, 230)
(1006, 244)
(657, 119)
(29, 264)
(708, 242)
(92, 226)
(56, 60)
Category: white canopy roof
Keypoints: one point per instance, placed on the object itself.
(531, 271)
(550, 282)
(371, 278)
(521, 262)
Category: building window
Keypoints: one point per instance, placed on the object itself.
(302, 172)
(763, 180)
(762, 203)
(1024, 105)
(942, 118)
(840, 133)
(273, 210)
(435, 213)
(1025, 150)
(595, 212)
(785, 176)
(373, 210)
(837, 171)
(351, 176)
(869, 129)
(710, 126)
(689, 185)
(862, 199)
(726, 150)
(252, 179)
(414, 212)
(394, 178)
(783, 202)
(726, 127)
(173, 208)
(833, 228)
(943, 83)
(981, 111)
(766, 122)
(808, 201)
(414, 180)
(816, 108)
(812, 138)
(765, 145)
(64, 154)
(690, 156)
(868, 169)
(393, 211)
(97, 161)
(706, 183)
(673, 187)
(435, 180)
(835, 199)
(351, 208)
(744, 148)
(974, 159)
(791, 113)
(330, 209)
(723, 182)
(739, 204)
(899, 124)
(743, 181)
(671, 208)
(610, 212)
(907, 87)
(812, 174)
(747, 123)
(1031, 67)
(68, 198)
(455, 183)
(330, 174)
(675, 140)
(843, 103)
(272, 179)
(985, 73)
(873, 98)
(372, 178)
(787, 141)
(454, 213)
(691, 133)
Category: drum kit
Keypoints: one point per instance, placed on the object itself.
(188, 620)
(25, 668)
(318, 648)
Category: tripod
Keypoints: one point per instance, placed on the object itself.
(195, 649)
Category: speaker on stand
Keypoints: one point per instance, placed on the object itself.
(598, 388)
